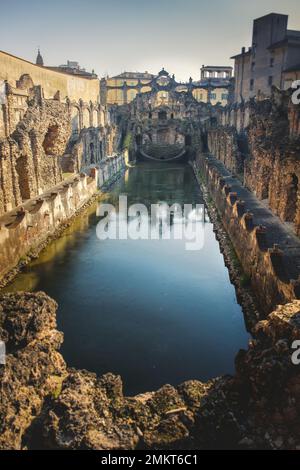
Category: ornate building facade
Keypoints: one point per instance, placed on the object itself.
(123, 89)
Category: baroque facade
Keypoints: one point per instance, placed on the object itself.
(260, 142)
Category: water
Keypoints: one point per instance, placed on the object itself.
(147, 310)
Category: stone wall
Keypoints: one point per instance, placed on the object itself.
(28, 226)
(42, 138)
(260, 141)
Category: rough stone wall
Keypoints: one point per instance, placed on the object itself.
(29, 157)
(261, 139)
(45, 405)
(24, 230)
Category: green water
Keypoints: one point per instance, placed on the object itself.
(148, 310)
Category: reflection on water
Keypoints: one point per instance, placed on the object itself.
(147, 310)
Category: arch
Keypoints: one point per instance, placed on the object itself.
(101, 118)
(292, 197)
(25, 82)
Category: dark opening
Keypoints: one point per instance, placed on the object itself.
(150, 115)
(188, 140)
(21, 166)
(172, 116)
(138, 139)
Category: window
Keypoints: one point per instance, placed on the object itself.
(270, 80)
(213, 96)
(224, 96)
(251, 84)
(253, 66)
(272, 62)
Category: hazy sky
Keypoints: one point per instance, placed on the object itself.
(135, 35)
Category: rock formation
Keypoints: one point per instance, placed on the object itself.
(46, 405)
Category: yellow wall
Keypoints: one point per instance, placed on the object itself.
(11, 69)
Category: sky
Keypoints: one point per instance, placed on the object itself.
(111, 36)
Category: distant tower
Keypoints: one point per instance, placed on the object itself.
(39, 59)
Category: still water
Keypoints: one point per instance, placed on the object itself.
(148, 310)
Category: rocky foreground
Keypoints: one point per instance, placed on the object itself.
(44, 404)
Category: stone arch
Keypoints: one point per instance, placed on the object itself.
(86, 117)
